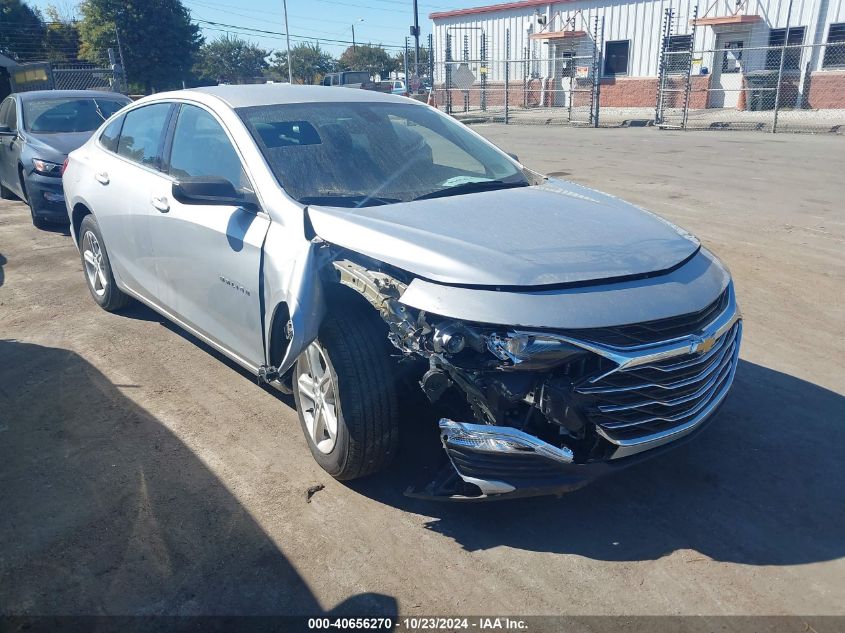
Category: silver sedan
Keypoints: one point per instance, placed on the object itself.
(332, 241)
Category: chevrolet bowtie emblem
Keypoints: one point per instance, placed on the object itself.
(702, 345)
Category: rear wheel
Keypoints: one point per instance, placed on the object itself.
(346, 396)
(95, 263)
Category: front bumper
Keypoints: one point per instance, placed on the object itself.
(478, 475)
(46, 197)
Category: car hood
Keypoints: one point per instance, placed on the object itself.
(554, 233)
(54, 146)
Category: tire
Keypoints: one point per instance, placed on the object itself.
(6, 194)
(38, 223)
(108, 296)
(352, 348)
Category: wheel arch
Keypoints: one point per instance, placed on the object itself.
(80, 210)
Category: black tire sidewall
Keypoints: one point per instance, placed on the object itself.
(334, 462)
(89, 223)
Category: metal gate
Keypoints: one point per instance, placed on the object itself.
(554, 78)
(674, 72)
(66, 76)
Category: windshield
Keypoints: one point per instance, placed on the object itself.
(363, 154)
(72, 114)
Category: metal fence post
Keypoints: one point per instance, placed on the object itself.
(407, 82)
(780, 68)
(668, 16)
(123, 76)
(466, 59)
(689, 69)
(507, 73)
(431, 59)
(595, 106)
(483, 71)
(448, 70)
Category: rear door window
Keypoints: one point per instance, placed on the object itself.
(142, 134)
(111, 134)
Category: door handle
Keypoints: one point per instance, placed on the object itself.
(102, 178)
(161, 204)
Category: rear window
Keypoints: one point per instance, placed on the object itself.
(356, 78)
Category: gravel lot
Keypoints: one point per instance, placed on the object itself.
(139, 474)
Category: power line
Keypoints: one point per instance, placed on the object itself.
(245, 30)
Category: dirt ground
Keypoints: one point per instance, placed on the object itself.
(140, 474)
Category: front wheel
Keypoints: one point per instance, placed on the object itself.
(346, 396)
(38, 223)
(98, 273)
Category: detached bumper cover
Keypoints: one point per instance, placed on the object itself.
(474, 474)
(46, 196)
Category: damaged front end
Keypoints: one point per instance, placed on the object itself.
(545, 412)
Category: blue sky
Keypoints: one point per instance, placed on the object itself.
(384, 21)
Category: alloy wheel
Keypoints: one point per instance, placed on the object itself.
(93, 256)
(318, 398)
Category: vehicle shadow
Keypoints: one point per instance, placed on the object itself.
(3, 262)
(62, 228)
(760, 486)
(105, 511)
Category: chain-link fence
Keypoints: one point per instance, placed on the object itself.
(768, 88)
(568, 78)
(51, 57)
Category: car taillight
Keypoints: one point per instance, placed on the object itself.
(64, 167)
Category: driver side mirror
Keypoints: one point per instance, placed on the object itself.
(212, 190)
(512, 155)
(5, 130)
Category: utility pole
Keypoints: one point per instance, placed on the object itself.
(415, 31)
(287, 37)
(353, 38)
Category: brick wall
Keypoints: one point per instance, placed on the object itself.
(826, 90)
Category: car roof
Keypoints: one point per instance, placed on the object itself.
(64, 94)
(243, 96)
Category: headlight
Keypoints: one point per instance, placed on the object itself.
(46, 168)
(532, 350)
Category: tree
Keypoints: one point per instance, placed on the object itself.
(373, 59)
(21, 31)
(230, 60)
(423, 61)
(310, 64)
(157, 38)
(61, 37)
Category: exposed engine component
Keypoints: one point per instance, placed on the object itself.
(434, 383)
(514, 380)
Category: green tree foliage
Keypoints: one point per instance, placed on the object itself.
(61, 36)
(230, 60)
(158, 40)
(423, 60)
(367, 57)
(21, 31)
(310, 64)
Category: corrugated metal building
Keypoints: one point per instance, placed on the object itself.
(728, 41)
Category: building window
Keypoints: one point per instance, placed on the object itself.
(792, 56)
(678, 53)
(834, 56)
(616, 58)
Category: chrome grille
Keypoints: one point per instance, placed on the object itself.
(646, 399)
(649, 332)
